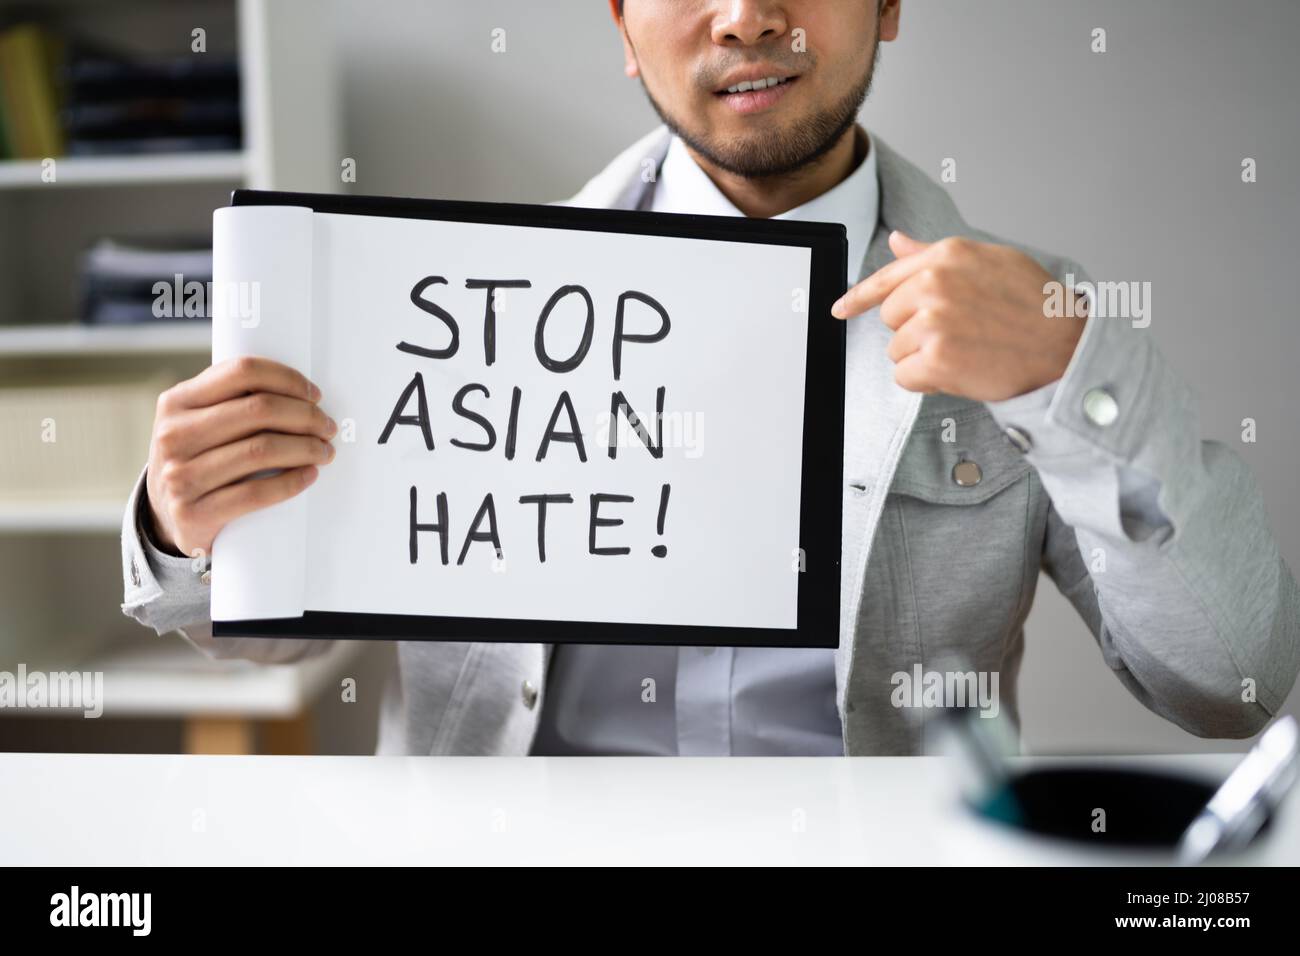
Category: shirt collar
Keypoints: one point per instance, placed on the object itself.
(855, 201)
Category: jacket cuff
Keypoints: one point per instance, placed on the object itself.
(1100, 403)
(1091, 435)
(150, 574)
(1120, 399)
(1037, 424)
(1024, 419)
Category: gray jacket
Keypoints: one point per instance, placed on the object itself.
(1194, 611)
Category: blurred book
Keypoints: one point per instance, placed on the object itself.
(152, 117)
(69, 97)
(122, 106)
(138, 281)
(96, 78)
(30, 61)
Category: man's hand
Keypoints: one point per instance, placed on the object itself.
(214, 430)
(967, 317)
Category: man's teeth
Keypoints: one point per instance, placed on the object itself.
(763, 84)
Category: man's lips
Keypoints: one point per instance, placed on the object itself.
(755, 100)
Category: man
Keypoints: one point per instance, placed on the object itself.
(983, 440)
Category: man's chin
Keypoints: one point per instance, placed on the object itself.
(757, 153)
(769, 144)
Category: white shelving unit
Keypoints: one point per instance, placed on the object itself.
(59, 563)
(61, 518)
(166, 679)
(89, 341)
(124, 170)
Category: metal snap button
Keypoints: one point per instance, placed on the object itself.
(1019, 438)
(1100, 407)
(967, 474)
(529, 694)
(135, 574)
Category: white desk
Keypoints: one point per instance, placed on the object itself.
(120, 810)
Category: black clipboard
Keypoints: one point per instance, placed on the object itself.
(821, 494)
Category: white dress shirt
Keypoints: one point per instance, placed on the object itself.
(743, 701)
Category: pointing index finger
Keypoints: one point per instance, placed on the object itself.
(876, 288)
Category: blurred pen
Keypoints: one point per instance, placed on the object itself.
(975, 749)
(1242, 803)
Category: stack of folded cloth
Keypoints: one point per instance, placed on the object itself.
(130, 282)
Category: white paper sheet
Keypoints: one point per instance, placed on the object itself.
(336, 301)
(262, 286)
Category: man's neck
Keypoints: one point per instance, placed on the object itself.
(773, 195)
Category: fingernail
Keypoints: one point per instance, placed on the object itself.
(314, 391)
(331, 425)
(309, 474)
(838, 308)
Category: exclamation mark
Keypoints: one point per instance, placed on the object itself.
(660, 550)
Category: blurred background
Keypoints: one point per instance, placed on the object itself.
(124, 123)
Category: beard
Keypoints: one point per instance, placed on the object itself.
(771, 153)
